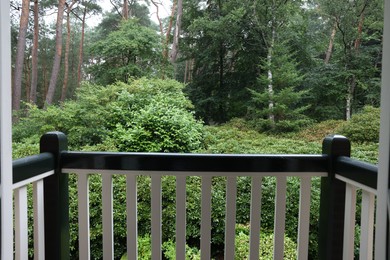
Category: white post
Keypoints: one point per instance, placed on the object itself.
(381, 243)
(5, 133)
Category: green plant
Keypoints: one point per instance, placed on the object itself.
(265, 247)
(363, 126)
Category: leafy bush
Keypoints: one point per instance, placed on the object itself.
(363, 126)
(317, 132)
(145, 115)
(266, 245)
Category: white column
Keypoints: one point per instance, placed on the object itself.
(381, 243)
(5, 133)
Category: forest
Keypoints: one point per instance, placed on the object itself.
(215, 76)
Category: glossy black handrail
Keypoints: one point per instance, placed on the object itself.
(361, 172)
(193, 162)
(31, 166)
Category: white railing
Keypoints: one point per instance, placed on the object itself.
(21, 217)
(366, 240)
(206, 209)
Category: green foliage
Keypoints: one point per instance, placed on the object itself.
(132, 51)
(145, 115)
(317, 132)
(363, 126)
(266, 245)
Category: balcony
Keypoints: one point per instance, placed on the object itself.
(340, 176)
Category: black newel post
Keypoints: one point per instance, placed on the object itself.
(56, 196)
(332, 207)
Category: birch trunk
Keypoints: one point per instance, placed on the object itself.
(271, 104)
(331, 42)
(176, 36)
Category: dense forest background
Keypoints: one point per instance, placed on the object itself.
(280, 64)
(215, 76)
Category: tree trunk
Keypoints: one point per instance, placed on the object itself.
(81, 48)
(67, 47)
(331, 42)
(66, 59)
(20, 49)
(34, 56)
(352, 85)
(270, 89)
(57, 57)
(125, 10)
(169, 29)
(176, 36)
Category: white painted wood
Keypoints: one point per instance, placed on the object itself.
(280, 217)
(356, 184)
(32, 180)
(255, 218)
(381, 231)
(156, 218)
(180, 217)
(196, 173)
(108, 222)
(83, 208)
(21, 228)
(132, 213)
(367, 226)
(304, 218)
(205, 224)
(39, 220)
(6, 215)
(230, 215)
(349, 222)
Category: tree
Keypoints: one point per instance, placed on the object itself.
(34, 56)
(69, 9)
(19, 61)
(176, 36)
(132, 51)
(58, 54)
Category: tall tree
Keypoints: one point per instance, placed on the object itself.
(176, 36)
(34, 56)
(57, 57)
(69, 9)
(20, 50)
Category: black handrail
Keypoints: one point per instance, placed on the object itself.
(194, 162)
(31, 166)
(361, 172)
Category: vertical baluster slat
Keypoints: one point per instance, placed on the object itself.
(255, 218)
(39, 221)
(349, 222)
(205, 226)
(21, 228)
(180, 217)
(156, 217)
(304, 218)
(367, 226)
(83, 201)
(108, 222)
(280, 217)
(132, 213)
(230, 223)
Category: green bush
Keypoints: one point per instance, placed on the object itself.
(266, 245)
(363, 126)
(145, 115)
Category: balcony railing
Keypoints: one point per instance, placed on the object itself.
(340, 177)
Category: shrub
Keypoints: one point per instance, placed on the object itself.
(266, 245)
(363, 126)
